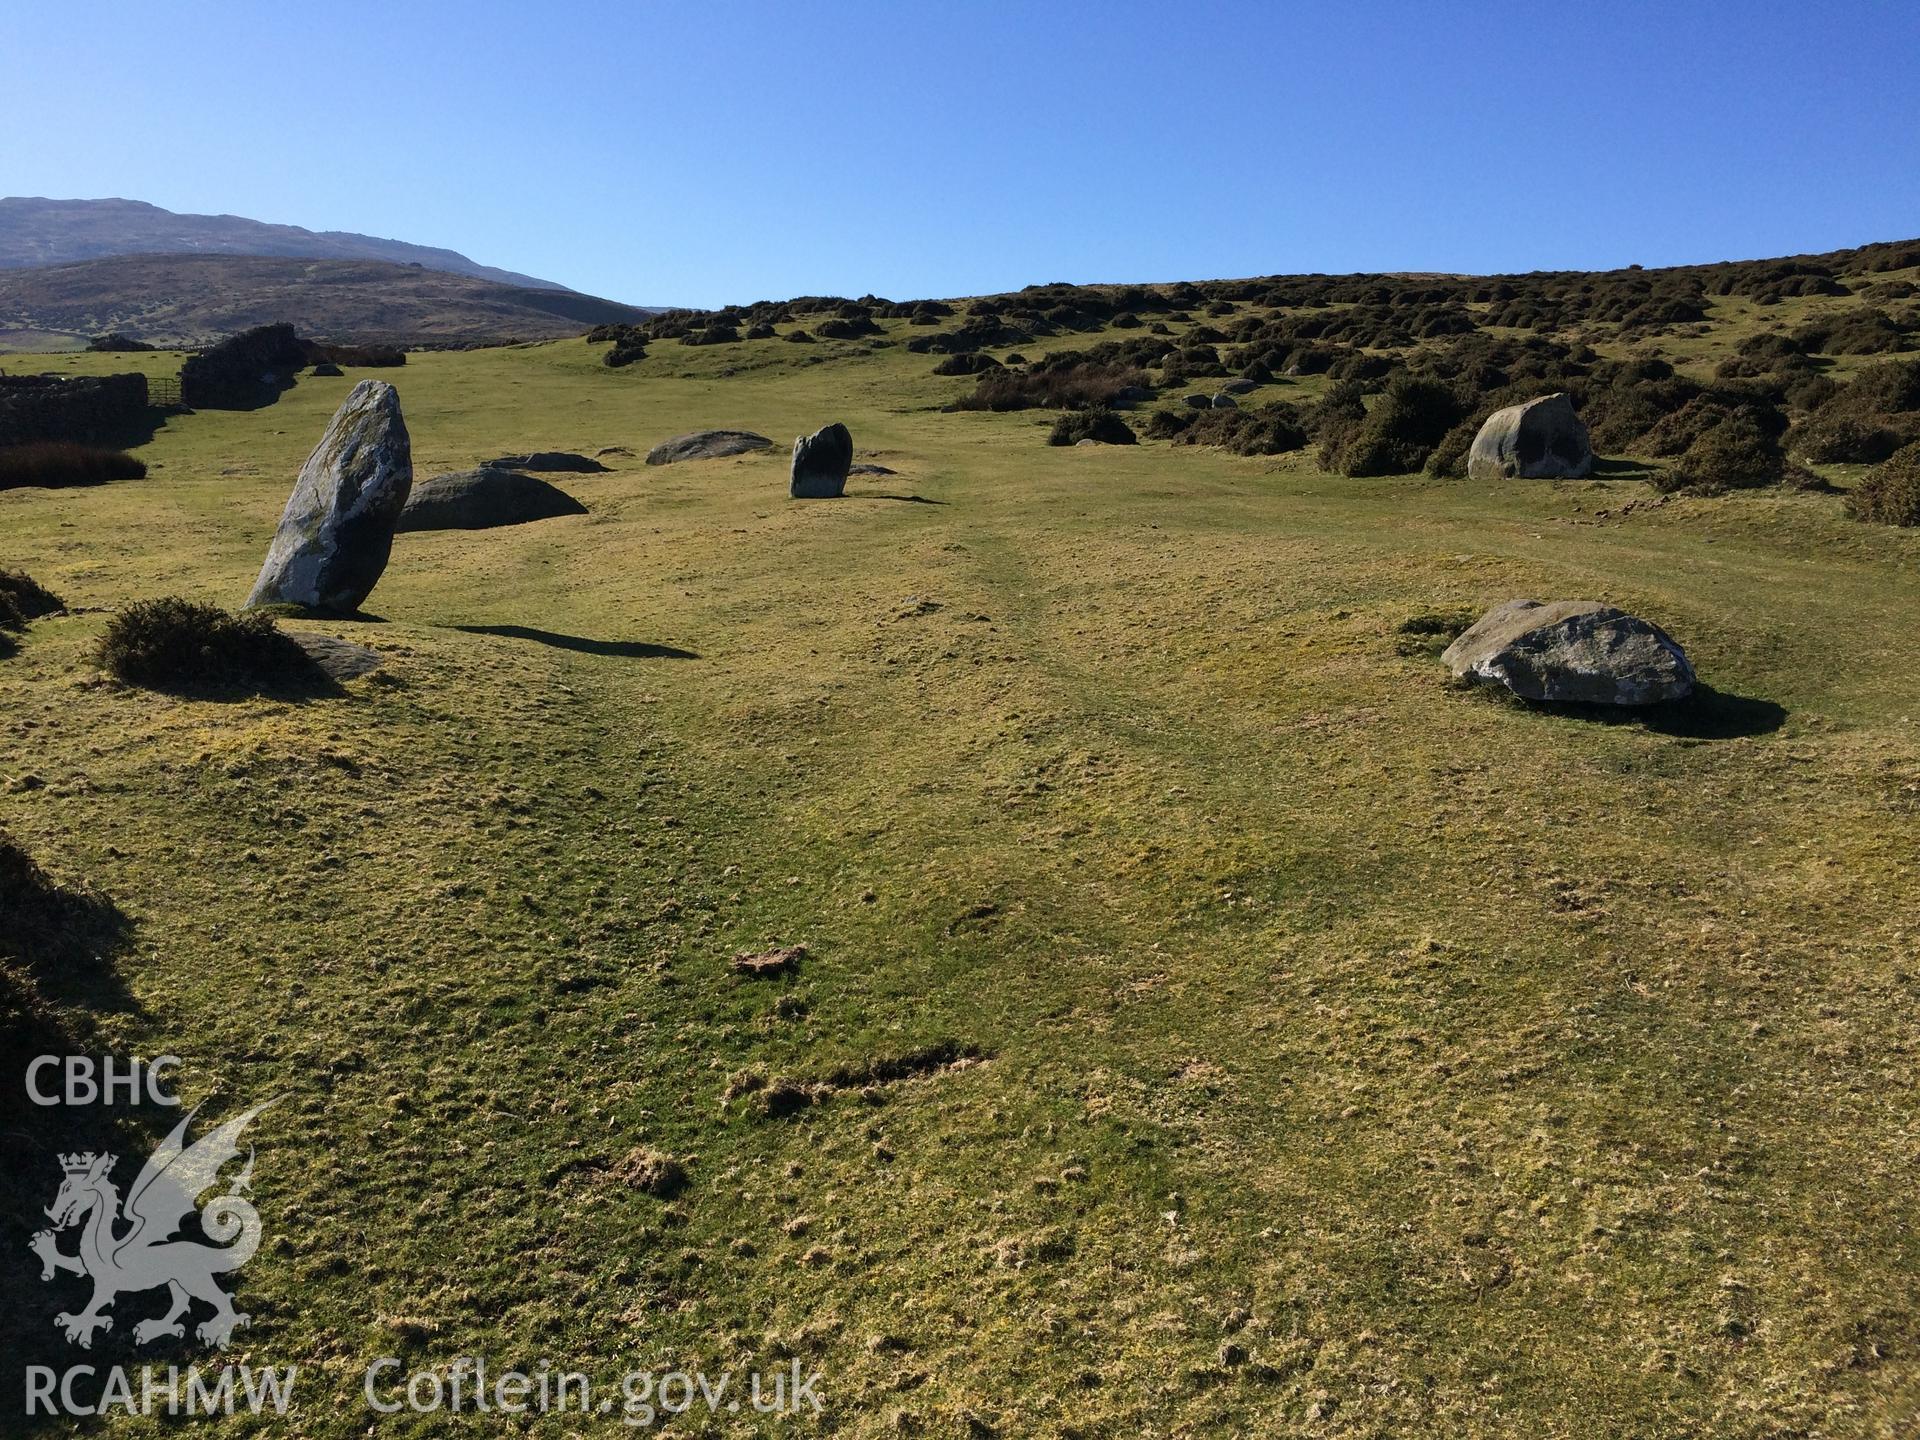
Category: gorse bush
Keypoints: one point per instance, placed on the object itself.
(1734, 455)
(22, 598)
(1855, 332)
(1412, 416)
(1842, 438)
(1864, 422)
(1890, 495)
(967, 363)
(1273, 429)
(1102, 426)
(176, 644)
(54, 463)
(1046, 385)
(25, 598)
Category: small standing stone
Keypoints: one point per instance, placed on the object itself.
(820, 464)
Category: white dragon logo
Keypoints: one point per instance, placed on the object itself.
(147, 1255)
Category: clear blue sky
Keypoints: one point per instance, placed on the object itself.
(699, 153)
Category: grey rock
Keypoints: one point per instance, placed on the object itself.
(1198, 402)
(1541, 440)
(482, 499)
(337, 531)
(338, 659)
(550, 461)
(820, 464)
(1224, 401)
(706, 445)
(1238, 387)
(865, 469)
(1572, 651)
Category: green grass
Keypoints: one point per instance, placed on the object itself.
(1476, 1071)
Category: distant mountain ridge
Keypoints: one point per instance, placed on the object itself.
(191, 300)
(36, 231)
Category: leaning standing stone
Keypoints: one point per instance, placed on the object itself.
(337, 530)
(820, 464)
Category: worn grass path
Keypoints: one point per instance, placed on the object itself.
(1360, 1056)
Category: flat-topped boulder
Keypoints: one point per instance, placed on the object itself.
(820, 464)
(706, 445)
(549, 461)
(1572, 652)
(336, 532)
(484, 498)
(1541, 440)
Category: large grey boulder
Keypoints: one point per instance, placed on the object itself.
(1572, 652)
(484, 498)
(337, 530)
(820, 464)
(706, 445)
(1540, 440)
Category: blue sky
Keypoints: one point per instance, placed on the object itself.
(702, 153)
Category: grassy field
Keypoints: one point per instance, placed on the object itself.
(1342, 1053)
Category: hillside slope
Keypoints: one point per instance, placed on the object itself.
(36, 231)
(191, 299)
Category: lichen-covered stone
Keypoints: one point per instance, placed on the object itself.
(1573, 652)
(1541, 440)
(337, 531)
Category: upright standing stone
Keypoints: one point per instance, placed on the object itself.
(337, 530)
(820, 464)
